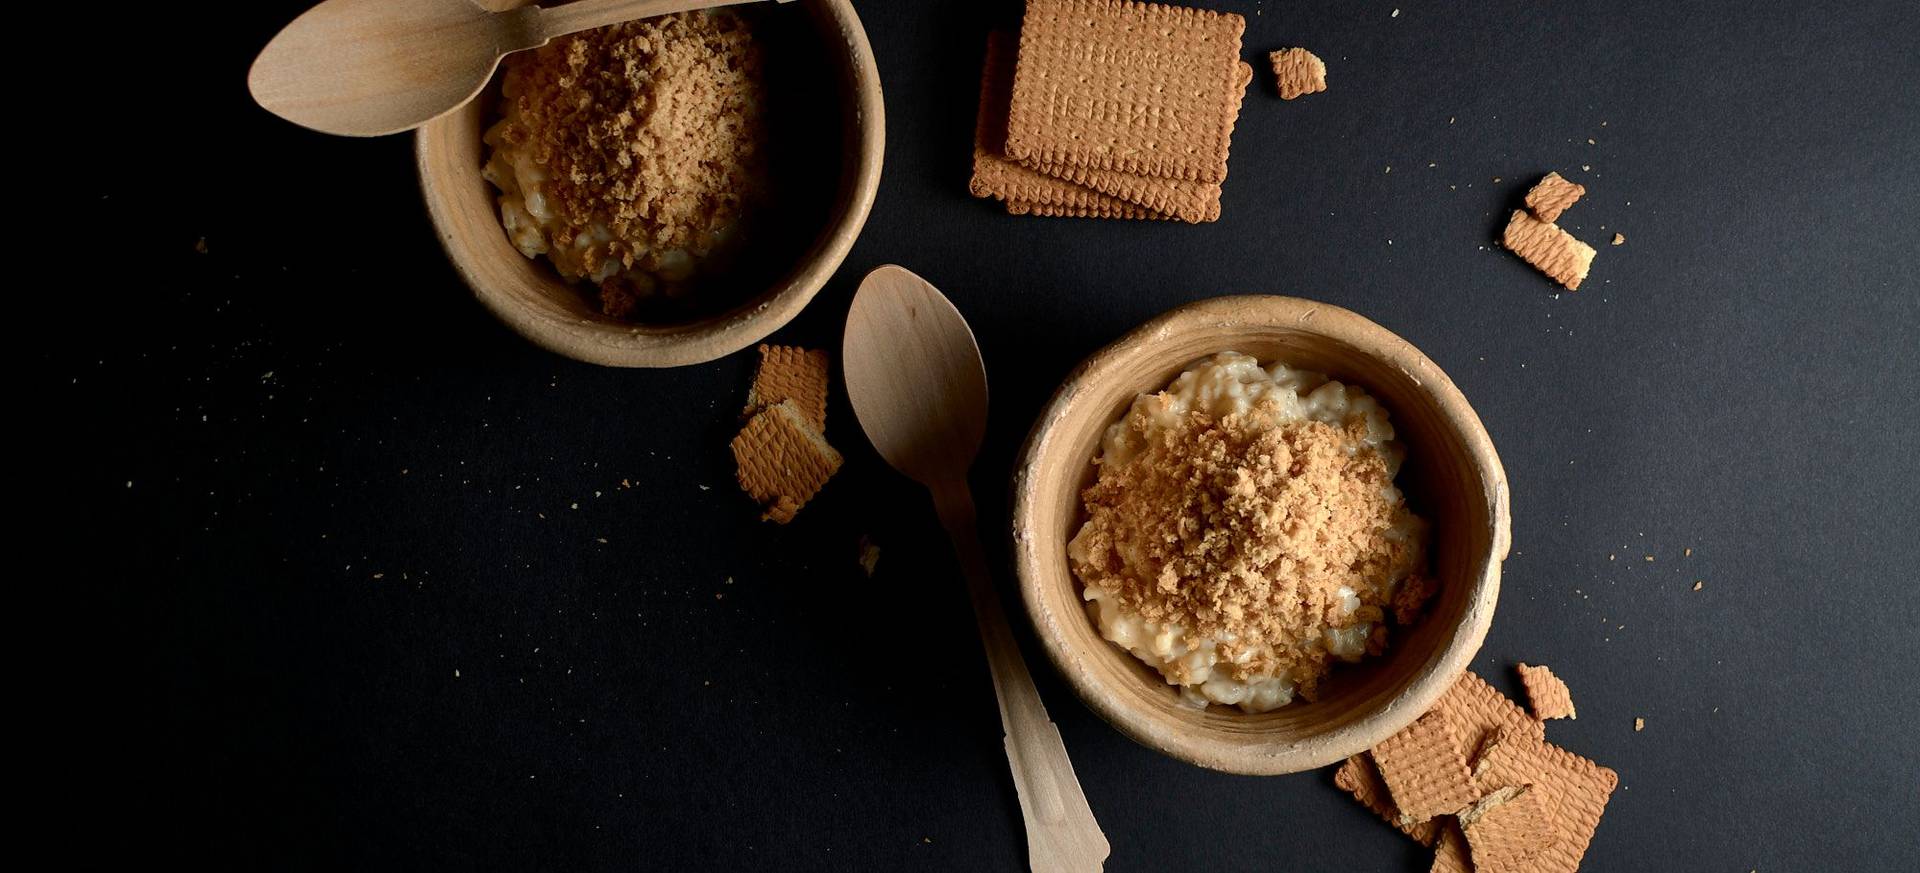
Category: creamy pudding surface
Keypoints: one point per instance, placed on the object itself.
(1245, 532)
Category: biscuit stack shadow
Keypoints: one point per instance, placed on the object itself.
(1110, 109)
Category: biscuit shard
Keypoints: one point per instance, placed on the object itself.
(1359, 778)
(1549, 249)
(1552, 195)
(1490, 751)
(1506, 829)
(1547, 695)
(1298, 71)
(781, 461)
(791, 373)
(1424, 769)
(1450, 852)
(1024, 189)
(1412, 597)
(1188, 201)
(1091, 73)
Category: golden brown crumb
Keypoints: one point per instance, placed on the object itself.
(1244, 529)
(1639, 724)
(1297, 71)
(650, 128)
(1696, 585)
(1620, 239)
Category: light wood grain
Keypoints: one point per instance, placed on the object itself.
(917, 383)
(1452, 476)
(375, 67)
(532, 299)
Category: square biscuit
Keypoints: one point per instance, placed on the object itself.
(1023, 189)
(1131, 87)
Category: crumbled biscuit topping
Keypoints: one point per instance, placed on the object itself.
(652, 129)
(1245, 528)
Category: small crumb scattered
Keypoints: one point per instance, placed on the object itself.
(200, 245)
(1639, 724)
(869, 555)
(1620, 239)
(1396, 14)
(1697, 585)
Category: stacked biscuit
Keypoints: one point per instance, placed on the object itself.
(1476, 779)
(1110, 109)
(1532, 234)
(781, 457)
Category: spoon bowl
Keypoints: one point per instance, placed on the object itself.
(915, 376)
(374, 67)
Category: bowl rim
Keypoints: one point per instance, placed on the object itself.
(1435, 677)
(719, 335)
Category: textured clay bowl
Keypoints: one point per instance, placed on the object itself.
(531, 298)
(1452, 478)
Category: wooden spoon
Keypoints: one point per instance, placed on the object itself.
(374, 67)
(920, 390)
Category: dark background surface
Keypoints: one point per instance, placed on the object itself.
(373, 583)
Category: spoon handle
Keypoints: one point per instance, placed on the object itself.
(1062, 834)
(588, 14)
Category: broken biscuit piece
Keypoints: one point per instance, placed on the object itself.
(1424, 769)
(1549, 249)
(1506, 829)
(1552, 195)
(791, 373)
(1547, 695)
(782, 461)
(1297, 71)
(1361, 779)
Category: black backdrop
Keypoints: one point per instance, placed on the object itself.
(369, 582)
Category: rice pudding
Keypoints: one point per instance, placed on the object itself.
(1245, 532)
(630, 156)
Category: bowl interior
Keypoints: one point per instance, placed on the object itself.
(1450, 476)
(824, 157)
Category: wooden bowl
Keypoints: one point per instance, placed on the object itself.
(1452, 478)
(532, 299)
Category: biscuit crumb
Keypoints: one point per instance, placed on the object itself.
(869, 555)
(1245, 529)
(1639, 724)
(1620, 239)
(1696, 585)
(1297, 71)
